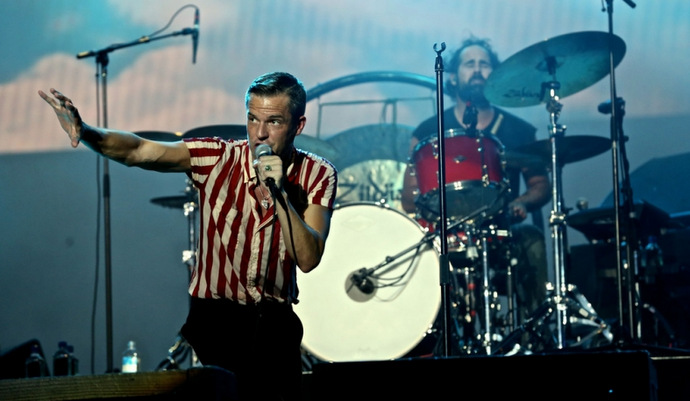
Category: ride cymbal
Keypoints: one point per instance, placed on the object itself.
(573, 61)
(570, 149)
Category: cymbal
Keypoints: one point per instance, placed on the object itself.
(305, 142)
(174, 202)
(317, 146)
(162, 136)
(224, 131)
(570, 148)
(520, 160)
(574, 61)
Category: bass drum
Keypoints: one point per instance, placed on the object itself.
(356, 307)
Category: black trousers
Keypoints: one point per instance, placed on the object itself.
(260, 344)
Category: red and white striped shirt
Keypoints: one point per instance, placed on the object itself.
(234, 250)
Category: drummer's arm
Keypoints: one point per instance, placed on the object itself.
(537, 193)
(410, 185)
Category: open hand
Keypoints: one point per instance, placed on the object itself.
(67, 114)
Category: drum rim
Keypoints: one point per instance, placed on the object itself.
(456, 132)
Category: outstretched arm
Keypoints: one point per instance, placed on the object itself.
(121, 146)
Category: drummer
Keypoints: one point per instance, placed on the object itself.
(468, 70)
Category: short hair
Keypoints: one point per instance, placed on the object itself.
(454, 62)
(277, 83)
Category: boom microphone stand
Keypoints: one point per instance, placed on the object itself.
(444, 263)
(102, 60)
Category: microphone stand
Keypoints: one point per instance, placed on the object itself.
(102, 60)
(626, 267)
(444, 263)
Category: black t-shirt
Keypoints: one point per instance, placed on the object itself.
(511, 131)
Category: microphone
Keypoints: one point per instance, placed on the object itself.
(195, 36)
(362, 281)
(469, 117)
(265, 150)
(605, 107)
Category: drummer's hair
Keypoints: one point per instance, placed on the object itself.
(454, 62)
(278, 83)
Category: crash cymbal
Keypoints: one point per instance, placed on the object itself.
(224, 131)
(315, 145)
(570, 148)
(174, 202)
(162, 136)
(575, 61)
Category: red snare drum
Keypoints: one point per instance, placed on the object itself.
(474, 169)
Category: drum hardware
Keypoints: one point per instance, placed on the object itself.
(535, 335)
(543, 73)
(189, 205)
(188, 202)
(477, 297)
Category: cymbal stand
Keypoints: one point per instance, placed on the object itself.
(557, 218)
(190, 207)
(178, 352)
(469, 118)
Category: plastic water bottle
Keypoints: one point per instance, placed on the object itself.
(62, 360)
(74, 360)
(130, 359)
(36, 365)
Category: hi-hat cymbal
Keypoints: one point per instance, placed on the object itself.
(574, 61)
(162, 136)
(224, 131)
(570, 148)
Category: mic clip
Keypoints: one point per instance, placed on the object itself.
(362, 281)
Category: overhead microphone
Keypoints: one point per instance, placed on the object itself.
(605, 107)
(195, 35)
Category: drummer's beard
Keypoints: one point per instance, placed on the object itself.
(473, 93)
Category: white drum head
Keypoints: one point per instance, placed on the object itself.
(344, 322)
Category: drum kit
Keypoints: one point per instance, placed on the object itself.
(376, 294)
